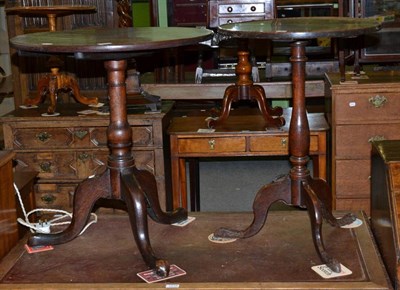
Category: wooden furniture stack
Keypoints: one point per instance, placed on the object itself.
(385, 203)
(360, 110)
(69, 148)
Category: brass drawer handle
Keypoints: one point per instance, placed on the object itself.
(43, 136)
(48, 198)
(212, 144)
(377, 101)
(284, 142)
(45, 166)
(81, 134)
(376, 138)
(83, 157)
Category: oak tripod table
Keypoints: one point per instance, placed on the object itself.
(55, 80)
(298, 188)
(121, 182)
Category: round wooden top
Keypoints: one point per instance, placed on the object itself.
(110, 40)
(46, 10)
(301, 28)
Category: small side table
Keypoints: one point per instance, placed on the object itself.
(51, 83)
(243, 134)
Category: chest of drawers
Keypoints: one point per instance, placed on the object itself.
(229, 11)
(68, 148)
(359, 111)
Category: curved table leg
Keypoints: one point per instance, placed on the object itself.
(230, 95)
(266, 196)
(135, 200)
(86, 195)
(148, 185)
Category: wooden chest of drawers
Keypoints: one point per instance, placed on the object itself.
(359, 111)
(68, 148)
(229, 11)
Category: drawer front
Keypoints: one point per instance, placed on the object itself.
(353, 178)
(280, 144)
(366, 108)
(141, 136)
(212, 145)
(82, 137)
(353, 141)
(225, 20)
(55, 196)
(75, 165)
(251, 8)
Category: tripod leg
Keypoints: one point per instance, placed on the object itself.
(86, 194)
(266, 196)
(137, 211)
(149, 186)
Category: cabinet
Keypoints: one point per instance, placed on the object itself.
(359, 111)
(229, 11)
(66, 149)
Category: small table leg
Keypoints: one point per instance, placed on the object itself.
(122, 181)
(245, 89)
(298, 188)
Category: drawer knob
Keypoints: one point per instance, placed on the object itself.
(212, 144)
(45, 166)
(377, 101)
(253, 8)
(284, 142)
(43, 136)
(376, 138)
(48, 198)
(230, 9)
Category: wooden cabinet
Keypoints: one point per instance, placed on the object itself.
(69, 148)
(8, 212)
(229, 11)
(359, 111)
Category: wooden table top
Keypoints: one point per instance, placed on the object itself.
(241, 121)
(301, 28)
(109, 40)
(280, 256)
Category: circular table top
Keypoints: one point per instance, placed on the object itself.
(110, 40)
(301, 28)
(46, 10)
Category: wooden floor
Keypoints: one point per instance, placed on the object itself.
(282, 254)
